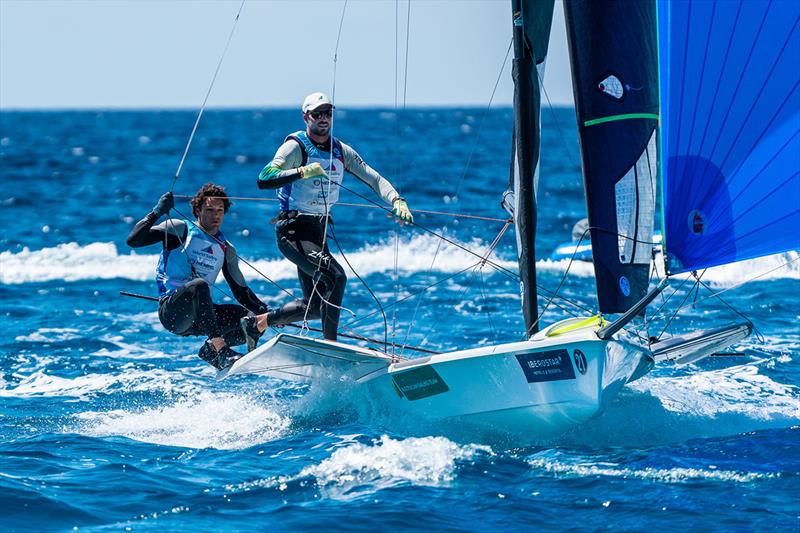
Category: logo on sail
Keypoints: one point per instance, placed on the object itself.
(697, 222)
(615, 88)
(625, 286)
(612, 87)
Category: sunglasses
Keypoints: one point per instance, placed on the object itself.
(316, 115)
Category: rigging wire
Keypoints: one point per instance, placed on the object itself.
(368, 206)
(479, 271)
(256, 270)
(688, 294)
(396, 277)
(413, 294)
(461, 179)
(563, 278)
(329, 182)
(718, 293)
(205, 100)
(374, 297)
(352, 335)
(759, 336)
(499, 268)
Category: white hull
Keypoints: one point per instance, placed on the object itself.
(488, 389)
(523, 390)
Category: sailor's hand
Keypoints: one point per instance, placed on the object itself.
(311, 171)
(165, 203)
(401, 211)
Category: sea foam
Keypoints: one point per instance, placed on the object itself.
(561, 465)
(102, 260)
(357, 469)
(421, 253)
(202, 419)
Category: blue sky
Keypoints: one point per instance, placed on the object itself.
(147, 53)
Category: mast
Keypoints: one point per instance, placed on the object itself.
(531, 29)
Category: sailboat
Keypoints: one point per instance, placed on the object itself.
(668, 92)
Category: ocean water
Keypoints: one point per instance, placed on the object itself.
(107, 422)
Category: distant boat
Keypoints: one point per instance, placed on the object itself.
(580, 247)
(725, 128)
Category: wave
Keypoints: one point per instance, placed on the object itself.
(356, 469)
(785, 265)
(201, 420)
(561, 465)
(40, 383)
(739, 389)
(102, 260)
(661, 408)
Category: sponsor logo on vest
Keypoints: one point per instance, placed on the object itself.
(553, 365)
(580, 361)
(209, 250)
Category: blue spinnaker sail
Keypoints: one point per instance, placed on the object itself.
(730, 107)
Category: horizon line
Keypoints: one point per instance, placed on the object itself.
(359, 107)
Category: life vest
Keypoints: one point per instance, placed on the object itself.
(200, 256)
(312, 194)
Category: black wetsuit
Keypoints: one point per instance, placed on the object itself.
(300, 240)
(301, 222)
(189, 309)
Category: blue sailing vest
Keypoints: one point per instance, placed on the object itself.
(311, 195)
(200, 256)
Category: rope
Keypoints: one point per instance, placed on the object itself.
(201, 228)
(368, 206)
(478, 267)
(563, 278)
(396, 277)
(330, 165)
(205, 100)
(377, 301)
(717, 294)
(413, 294)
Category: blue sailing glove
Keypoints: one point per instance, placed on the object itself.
(165, 203)
(401, 211)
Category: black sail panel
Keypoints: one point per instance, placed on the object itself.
(532, 20)
(614, 57)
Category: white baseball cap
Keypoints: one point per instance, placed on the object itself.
(315, 100)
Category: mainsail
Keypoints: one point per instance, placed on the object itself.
(730, 77)
(532, 20)
(614, 61)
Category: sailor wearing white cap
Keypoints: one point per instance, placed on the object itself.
(305, 202)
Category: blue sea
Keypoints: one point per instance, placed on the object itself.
(109, 423)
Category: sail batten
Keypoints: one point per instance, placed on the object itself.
(730, 123)
(614, 118)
